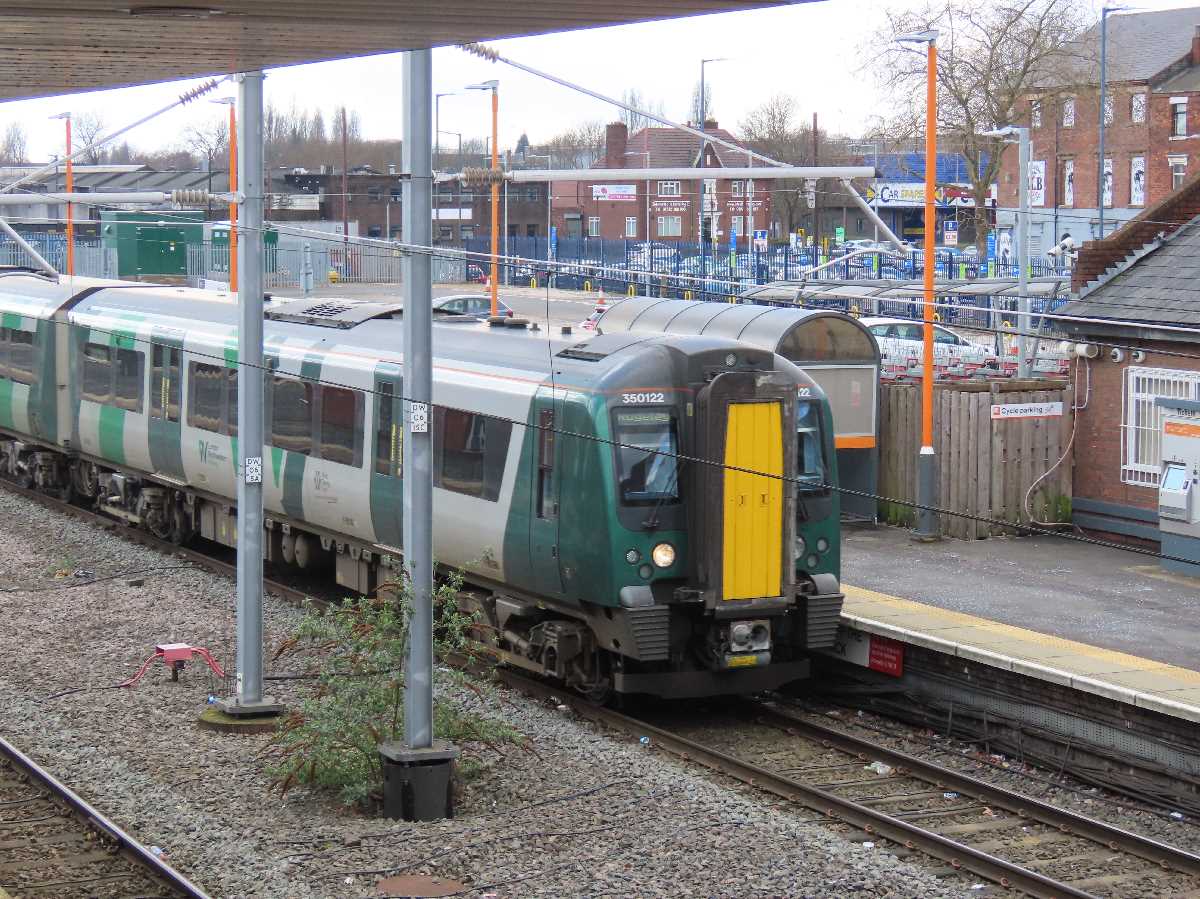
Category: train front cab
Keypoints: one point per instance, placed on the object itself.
(759, 587)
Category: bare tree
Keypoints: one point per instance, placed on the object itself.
(209, 141)
(992, 57)
(13, 145)
(695, 112)
(87, 127)
(775, 130)
(636, 121)
(576, 148)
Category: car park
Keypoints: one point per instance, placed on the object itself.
(902, 344)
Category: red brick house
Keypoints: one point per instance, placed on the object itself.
(664, 210)
(1151, 132)
(1140, 288)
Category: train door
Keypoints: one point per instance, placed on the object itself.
(753, 503)
(544, 497)
(166, 381)
(387, 465)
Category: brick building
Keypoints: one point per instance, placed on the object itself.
(664, 210)
(1137, 285)
(373, 198)
(1151, 131)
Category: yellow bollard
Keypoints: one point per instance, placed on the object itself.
(587, 285)
(533, 282)
(687, 294)
(631, 292)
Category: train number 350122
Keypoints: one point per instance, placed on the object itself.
(658, 397)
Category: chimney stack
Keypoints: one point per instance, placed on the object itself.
(1196, 47)
(616, 139)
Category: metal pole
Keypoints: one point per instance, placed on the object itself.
(70, 207)
(345, 188)
(816, 195)
(1023, 254)
(700, 182)
(233, 206)
(495, 196)
(306, 270)
(1100, 151)
(506, 266)
(876, 197)
(249, 699)
(927, 520)
(418, 381)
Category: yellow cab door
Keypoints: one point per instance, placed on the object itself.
(753, 503)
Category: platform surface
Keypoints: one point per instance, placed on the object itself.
(1096, 619)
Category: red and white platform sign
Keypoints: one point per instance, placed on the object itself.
(872, 651)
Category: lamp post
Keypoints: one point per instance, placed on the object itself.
(549, 211)
(700, 193)
(927, 520)
(231, 102)
(437, 116)
(1104, 11)
(70, 185)
(494, 87)
(1022, 136)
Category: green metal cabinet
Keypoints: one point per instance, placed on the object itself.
(151, 244)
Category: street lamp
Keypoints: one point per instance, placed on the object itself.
(437, 115)
(649, 256)
(927, 522)
(700, 193)
(549, 193)
(70, 185)
(1104, 11)
(1022, 137)
(231, 102)
(493, 86)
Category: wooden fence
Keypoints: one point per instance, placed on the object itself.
(985, 466)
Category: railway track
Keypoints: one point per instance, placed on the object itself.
(976, 829)
(989, 833)
(54, 844)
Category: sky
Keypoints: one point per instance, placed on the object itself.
(813, 51)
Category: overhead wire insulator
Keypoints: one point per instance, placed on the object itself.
(199, 91)
(481, 51)
(189, 197)
(482, 177)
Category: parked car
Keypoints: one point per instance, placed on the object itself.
(473, 305)
(902, 344)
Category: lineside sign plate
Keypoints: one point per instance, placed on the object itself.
(1027, 410)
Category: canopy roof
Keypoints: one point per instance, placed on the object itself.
(65, 46)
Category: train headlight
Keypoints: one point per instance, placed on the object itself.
(822, 545)
(633, 557)
(731, 360)
(800, 545)
(663, 555)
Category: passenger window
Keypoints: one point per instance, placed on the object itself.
(546, 502)
(388, 436)
(206, 396)
(231, 402)
(4, 352)
(469, 452)
(164, 382)
(909, 332)
(96, 381)
(291, 415)
(129, 370)
(879, 330)
(341, 425)
(20, 359)
(940, 336)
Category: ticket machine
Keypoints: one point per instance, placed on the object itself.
(1179, 484)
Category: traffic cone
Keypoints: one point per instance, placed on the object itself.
(601, 301)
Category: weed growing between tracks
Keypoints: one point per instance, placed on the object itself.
(355, 654)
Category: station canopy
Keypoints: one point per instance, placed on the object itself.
(65, 46)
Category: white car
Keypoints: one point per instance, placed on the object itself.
(902, 343)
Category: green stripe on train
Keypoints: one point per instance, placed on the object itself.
(11, 320)
(6, 404)
(112, 434)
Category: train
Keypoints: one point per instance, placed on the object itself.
(631, 512)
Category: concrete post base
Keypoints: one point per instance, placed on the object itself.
(928, 526)
(418, 783)
(262, 708)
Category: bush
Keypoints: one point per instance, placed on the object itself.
(356, 653)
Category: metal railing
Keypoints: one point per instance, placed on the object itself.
(92, 259)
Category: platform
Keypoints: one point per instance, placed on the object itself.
(1097, 620)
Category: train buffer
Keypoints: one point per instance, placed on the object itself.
(175, 655)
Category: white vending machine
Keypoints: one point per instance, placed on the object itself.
(1178, 485)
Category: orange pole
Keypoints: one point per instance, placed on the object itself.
(930, 240)
(233, 207)
(70, 211)
(495, 200)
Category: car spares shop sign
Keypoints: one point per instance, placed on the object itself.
(1026, 410)
(912, 194)
(614, 192)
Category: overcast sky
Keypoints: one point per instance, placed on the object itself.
(813, 51)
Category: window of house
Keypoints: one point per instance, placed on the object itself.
(1035, 113)
(1068, 112)
(397, 194)
(1178, 171)
(1137, 108)
(736, 222)
(739, 188)
(1178, 117)
(446, 232)
(469, 452)
(1108, 109)
(1141, 420)
(668, 189)
(341, 425)
(164, 382)
(21, 356)
(291, 414)
(531, 230)
(670, 226)
(533, 194)
(593, 226)
(375, 231)
(466, 232)
(631, 226)
(374, 194)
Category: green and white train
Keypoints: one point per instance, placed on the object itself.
(601, 495)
